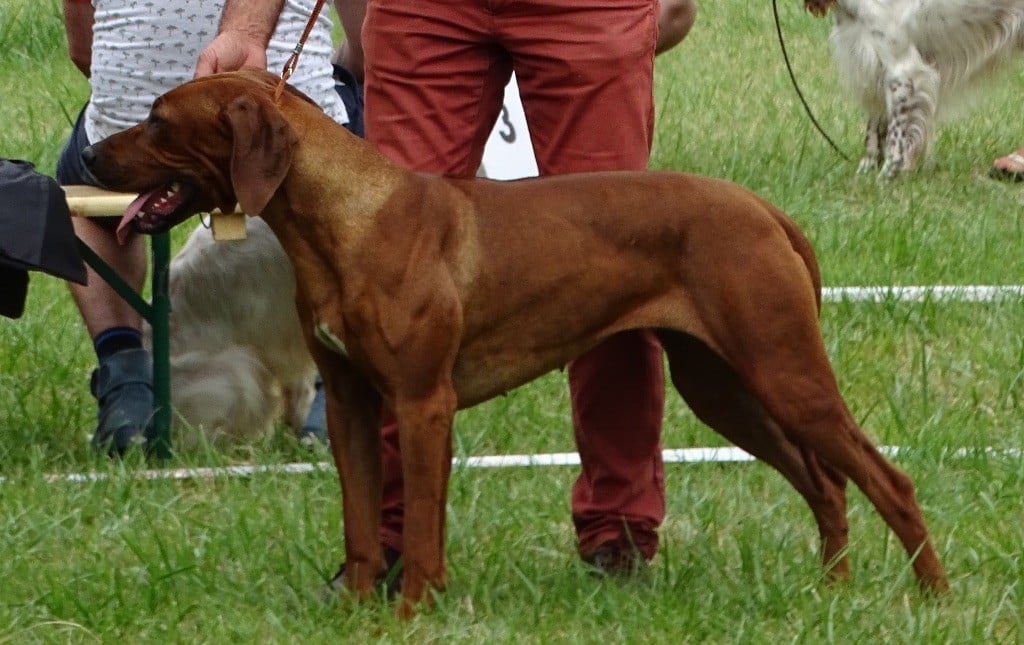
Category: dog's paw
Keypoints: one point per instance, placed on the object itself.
(890, 170)
(867, 164)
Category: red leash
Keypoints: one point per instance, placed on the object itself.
(293, 60)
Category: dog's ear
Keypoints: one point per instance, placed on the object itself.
(261, 151)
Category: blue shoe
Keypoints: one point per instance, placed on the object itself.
(123, 387)
(314, 429)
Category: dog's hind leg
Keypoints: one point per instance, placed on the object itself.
(761, 317)
(787, 370)
(716, 395)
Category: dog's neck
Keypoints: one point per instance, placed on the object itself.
(362, 180)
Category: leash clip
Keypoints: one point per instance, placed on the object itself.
(293, 60)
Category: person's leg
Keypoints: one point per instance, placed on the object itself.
(618, 501)
(101, 307)
(122, 382)
(434, 83)
(589, 105)
(586, 80)
(433, 89)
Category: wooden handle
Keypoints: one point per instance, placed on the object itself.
(89, 201)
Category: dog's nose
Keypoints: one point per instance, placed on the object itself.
(88, 156)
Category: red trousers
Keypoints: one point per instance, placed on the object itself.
(435, 77)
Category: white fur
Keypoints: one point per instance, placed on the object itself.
(910, 62)
(238, 359)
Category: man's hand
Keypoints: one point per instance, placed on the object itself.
(245, 29)
(230, 51)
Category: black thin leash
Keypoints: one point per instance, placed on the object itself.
(796, 86)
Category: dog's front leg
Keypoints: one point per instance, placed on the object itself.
(874, 140)
(911, 96)
(353, 427)
(425, 426)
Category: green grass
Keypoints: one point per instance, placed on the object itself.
(243, 559)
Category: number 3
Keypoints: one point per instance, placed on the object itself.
(510, 135)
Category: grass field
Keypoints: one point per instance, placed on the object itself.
(242, 559)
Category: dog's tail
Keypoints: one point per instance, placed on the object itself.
(803, 248)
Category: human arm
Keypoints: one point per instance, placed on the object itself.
(675, 18)
(349, 53)
(245, 29)
(78, 17)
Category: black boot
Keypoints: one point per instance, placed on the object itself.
(123, 387)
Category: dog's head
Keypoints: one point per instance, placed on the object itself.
(209, 143)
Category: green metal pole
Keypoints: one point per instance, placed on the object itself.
(115, 281)
(161, 305)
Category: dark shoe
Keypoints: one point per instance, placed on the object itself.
(390, 583)
(314, 429)
(617, 559)
(123, 387)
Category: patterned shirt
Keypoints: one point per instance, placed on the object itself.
(143, 48)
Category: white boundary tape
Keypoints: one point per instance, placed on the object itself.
(679, 455)
(945, 293)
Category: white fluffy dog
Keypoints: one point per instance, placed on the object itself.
(238, 359)
(909, 62)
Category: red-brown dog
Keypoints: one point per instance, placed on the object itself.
(427, 294)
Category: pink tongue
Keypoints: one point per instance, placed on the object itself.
(130, 213)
